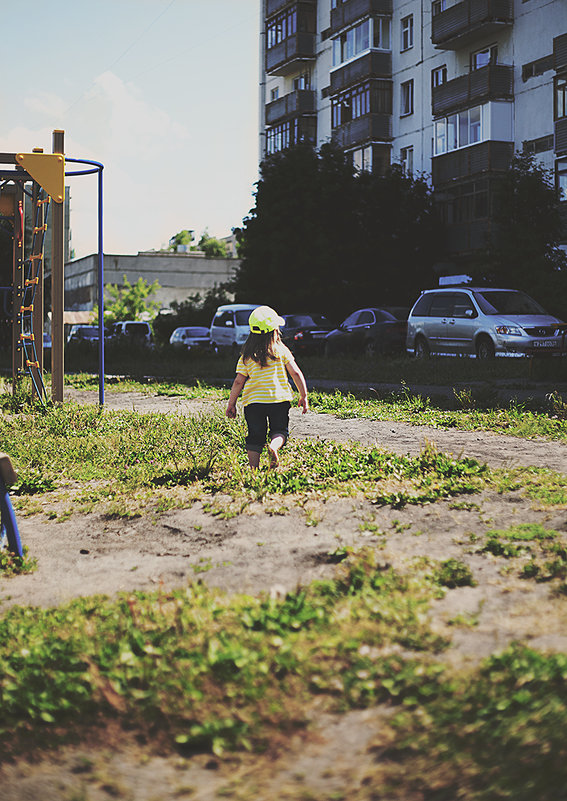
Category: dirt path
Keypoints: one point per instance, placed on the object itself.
(261, 550)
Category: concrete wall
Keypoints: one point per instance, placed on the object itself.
(179, 276)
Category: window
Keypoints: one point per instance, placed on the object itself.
(406, 160)
(281, 27)
(560, 97)
(457, 130)
(375, 96)
(438, 76)
(373, 32)
(437, 6)
(407, 98)
(466, 202)
(302, 81)
(275, 93)
(561, 178)
(480, 58)
(279, 137)
(407, 32)
(362, 159)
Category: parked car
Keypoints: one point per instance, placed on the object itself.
(136, 331)
(229, 327)
(368, 331)
(82, 332)
(192, 338)
(46, 342)
(305, 333)
(482, 321)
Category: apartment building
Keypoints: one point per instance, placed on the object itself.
(448, 89)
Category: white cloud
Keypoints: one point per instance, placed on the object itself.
(47, 104)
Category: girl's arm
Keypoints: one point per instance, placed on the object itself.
(235, 391)
(299, 381)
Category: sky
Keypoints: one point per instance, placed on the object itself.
(164, 93)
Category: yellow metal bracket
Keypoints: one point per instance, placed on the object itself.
(48, 169)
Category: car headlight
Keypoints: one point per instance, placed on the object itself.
(510, 330)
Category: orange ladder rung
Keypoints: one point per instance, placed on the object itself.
(39, 228)
(35, 256)
(32, 364)
(28, 337)
(31, 281)
(26, 308)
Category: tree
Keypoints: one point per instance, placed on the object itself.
(184, 237)
(212, 248)
(196, 310)
(523, 250)
(130, 301)
(322, 237)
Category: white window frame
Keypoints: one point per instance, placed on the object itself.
(349, 45)
(437, 72)
(406, 98)
(458, 130)
(406, 159)
(406, 33)
(491, 57)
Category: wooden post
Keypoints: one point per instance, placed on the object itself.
(17, 284)
(57, 286)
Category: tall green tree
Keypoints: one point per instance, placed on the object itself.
(130, 301)
(212, 247)
(528, 226)
(184, 237)
(321, 237)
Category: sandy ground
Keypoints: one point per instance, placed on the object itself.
(265, 550)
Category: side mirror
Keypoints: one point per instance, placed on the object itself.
(469, 313)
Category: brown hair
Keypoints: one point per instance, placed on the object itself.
(261, 347)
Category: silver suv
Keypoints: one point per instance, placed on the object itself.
(483, 321)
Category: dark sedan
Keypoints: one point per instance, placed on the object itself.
(369, 331)
(305, 333)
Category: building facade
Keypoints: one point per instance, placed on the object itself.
(179, 276)
(447, 89)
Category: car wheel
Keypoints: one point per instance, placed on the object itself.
(484, 348)
(421, 348)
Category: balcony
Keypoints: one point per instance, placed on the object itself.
(561, 137)
(297, 103)
(493, 82)
(370, 128)
(560, 52)
(468, 161)
(461, 24)
(347, 13)
(285, 56)
(273, 6)
(372, 65)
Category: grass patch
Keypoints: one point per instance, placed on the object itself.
(197, 670)
(517, 419)
(13, 565)
(119, 460)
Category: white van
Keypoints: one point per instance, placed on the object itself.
(229, 328)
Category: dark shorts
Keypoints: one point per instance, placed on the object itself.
(258, 415)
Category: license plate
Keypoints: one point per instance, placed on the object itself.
(545, 343)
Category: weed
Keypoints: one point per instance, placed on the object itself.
(453, 573)
(12, 565)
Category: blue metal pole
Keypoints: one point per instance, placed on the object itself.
(100, 296)
(98, 169)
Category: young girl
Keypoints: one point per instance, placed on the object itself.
(261, 376)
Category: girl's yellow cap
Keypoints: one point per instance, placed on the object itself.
(264, 319)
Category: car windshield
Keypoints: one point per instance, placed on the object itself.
(88, 331)
(242, 316)
(505, 301)
(306, 321)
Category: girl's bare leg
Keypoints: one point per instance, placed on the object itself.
(273, 449)
(254, 459)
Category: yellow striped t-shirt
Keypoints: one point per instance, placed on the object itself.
(267, 384)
